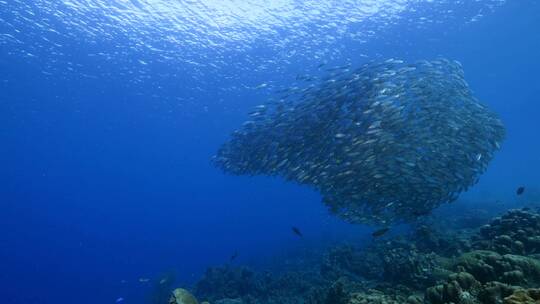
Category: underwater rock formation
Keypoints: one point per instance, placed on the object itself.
(376, 297)
(228, 282)
(242, 284)
(516, 232)
(336, 294)
(463, 288)
(407, 266)
(348, 261)
(395, 261)
(400, 269)
(429, 237)
(386, 142)
(490, 266)
(523, 296)
(229, 301)
(182, 296)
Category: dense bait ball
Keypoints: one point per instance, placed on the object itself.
(386, 142)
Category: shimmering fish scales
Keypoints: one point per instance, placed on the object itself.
(381, 143)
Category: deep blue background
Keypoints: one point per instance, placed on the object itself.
(98, 184)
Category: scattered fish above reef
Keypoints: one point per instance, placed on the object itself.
(383, 143)
(233, 256)
(297, 231)
(520, 190)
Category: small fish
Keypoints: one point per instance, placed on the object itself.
(163, 281)
(341, 137)
(144, 280)
(421, 212)
(119, 300)
(520, 190)
(380, 232)
(234, 256)
(297, 231)
(261, 86)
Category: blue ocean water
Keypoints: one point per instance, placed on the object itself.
(111, 111)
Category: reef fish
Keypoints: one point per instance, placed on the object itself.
(233, 256)
(520, 190)
(382, 143)
(297, 231)
(380, 232)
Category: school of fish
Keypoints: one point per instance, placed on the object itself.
(384, 143)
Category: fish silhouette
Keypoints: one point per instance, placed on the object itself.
(297, 231)
(234, 256)
(380, 232)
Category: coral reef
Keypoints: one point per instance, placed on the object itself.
(348, 261)
(376, 297)
(239, 284)
(490, 266)
(521, 296)
(182, 296)
(228, 283)
(495, 264)
(516, 232)
(406, 265)
(229, 301)
(463, 288)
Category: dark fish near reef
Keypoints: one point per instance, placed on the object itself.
(380, 232)
(297, 231)
(234, 256)
(421, 212)
(520, 190)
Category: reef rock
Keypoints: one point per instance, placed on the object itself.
(516, 232)
(182, 296)
(229, 301)
(376, 297)
(347, 261)
(399, 269)
(227, 283)
(523, 296)
(488, 266)
(463, 288)
(459, 288)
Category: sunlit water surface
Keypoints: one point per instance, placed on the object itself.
(231, 38)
